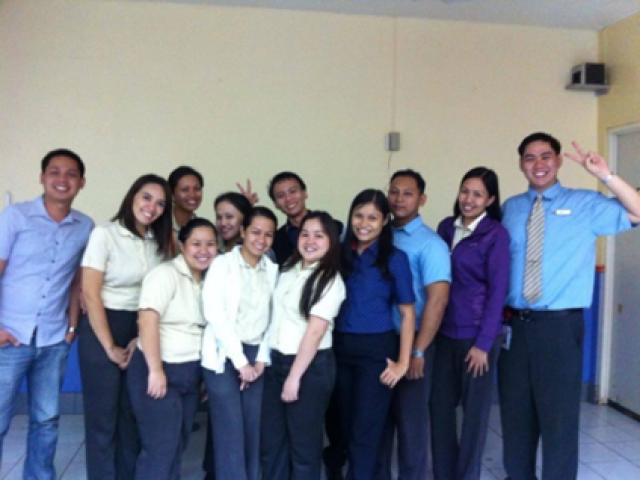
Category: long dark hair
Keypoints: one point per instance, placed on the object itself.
(161, 227)
(385, 241)
(328, 266)
(490, 180)
(236, 199)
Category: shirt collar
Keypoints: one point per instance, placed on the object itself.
(262, 264)
(181, 266)
(122, 230)
(472, 226)
(550, 193)
(39, 210)
(412, 226)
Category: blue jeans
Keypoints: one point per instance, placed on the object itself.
(44, 369)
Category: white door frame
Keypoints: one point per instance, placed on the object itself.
(606, 335)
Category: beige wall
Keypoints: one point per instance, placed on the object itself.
(620, 51)
(136, 87)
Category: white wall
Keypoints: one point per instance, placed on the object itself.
(136, 87)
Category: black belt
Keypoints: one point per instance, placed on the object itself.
(535, 315)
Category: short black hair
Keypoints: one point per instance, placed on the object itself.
(422, 185)
(236, 199)
(187, 230)
(260, 211)
(62, 152)
(285, 176)
(183, 171)
(540, 137)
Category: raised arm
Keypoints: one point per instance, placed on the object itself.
(597, 166)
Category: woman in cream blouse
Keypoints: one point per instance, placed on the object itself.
(118, 256)
(236, 300)
(164, 374)
(299, 382)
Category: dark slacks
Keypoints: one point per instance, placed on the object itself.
(409, 419)
(540, 385)
(165, 423)
(234, 416)
(292, 433)
(111, 434)
(363, 400)
(453, 385)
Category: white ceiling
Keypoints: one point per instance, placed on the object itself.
(580, 14)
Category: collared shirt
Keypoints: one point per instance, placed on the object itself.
(255, 298)
(125, 259)
(175, 243)
(42, 257)
(371, 298)
(462, 231)
(171, 290)
(288, 324)
(429, 259)
(573, 221)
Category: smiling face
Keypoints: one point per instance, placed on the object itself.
(367, 223)
(540, 165)
(405, 200)
(228, 221)
(200, 249)
(473, 199)
(61, 180)
(148, 204)
(257, 238)
(313, 242)
(290, 198)
(188, 193)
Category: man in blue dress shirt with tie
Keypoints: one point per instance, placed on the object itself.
(41, 243)
(553, 233)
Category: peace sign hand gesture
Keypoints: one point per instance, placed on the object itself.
(247, 192)
(593, 163)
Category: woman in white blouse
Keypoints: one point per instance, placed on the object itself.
(299, 382)
(236, 300)
(118, 256)
(164, 373)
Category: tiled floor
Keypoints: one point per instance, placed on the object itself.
(609, 448)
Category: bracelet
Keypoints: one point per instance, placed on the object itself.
(608, 178)
(71, 330)
(417, 353)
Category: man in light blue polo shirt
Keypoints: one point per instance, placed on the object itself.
(41, 243)
(431, 268)
(552, 276)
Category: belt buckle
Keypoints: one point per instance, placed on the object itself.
(524, 315)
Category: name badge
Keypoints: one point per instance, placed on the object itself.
(563, 212)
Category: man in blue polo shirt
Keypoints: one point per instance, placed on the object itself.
(431, 268)
(41, 243)
(553, 233)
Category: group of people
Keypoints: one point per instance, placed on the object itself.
(372, 331)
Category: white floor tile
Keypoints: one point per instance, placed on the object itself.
(596, 452)
(617, 470)
(608, 434)
(586, 473)
(629, 450)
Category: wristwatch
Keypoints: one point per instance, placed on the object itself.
(417, 353)
(71, 330)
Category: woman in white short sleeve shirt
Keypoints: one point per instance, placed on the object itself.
(164, 373)
(299, 382)
(118, 256)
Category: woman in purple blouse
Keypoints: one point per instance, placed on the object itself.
(469, 339)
